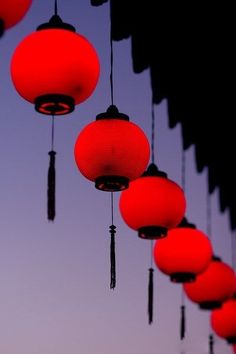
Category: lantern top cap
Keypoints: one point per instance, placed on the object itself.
(153, 170)
(112, 113)
(216, 258)
(56, 22)
(185, 223)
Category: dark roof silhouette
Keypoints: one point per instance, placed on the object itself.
(189, 49)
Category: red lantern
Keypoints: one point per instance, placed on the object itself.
(11, 12)
(234, 348)
(152, 204)
(211, 288)
(184, 253)
(223, 321)
(55, 68)
(111, 151)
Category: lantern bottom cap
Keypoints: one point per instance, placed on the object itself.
(54, 104)
(111, 183)
(231, 340)
(182, 277)
(1, 27)
(210, 305)
(152, 232)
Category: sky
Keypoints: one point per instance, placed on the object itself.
(55, 295)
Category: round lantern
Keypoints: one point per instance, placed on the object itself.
(184, 253)
(152, 204)
(223, 321)
(212, 287)
(11, 12)
(111, 151)
(55, 68)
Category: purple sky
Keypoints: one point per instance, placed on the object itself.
(55, 296)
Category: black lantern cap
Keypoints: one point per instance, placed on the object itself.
(112, 113)
(56, 22)
(153, 170)
(54, 104)
(1, 27)
(185, 223)
(152, 232)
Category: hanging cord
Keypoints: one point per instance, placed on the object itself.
(111, 54)
(150, 288)
(151, 270)
(182, 316)
(183, 307)
(51, 191)
(153, 133)
(55, 8)
(211, 344)
(112, 249)
(208, 215)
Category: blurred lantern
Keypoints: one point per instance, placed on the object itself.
(184, 253)
(54, 68)
(111, 151)
(152, 204)
(234, 348)
(11, 12)
(212, 287)
(223, 321)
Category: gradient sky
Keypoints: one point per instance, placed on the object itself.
(55, 296)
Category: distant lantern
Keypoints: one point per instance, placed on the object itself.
(111, 151)
(55, 68)
(184, 253)
(223, 321)
(212, 287)
(152, 204)
(12, 12)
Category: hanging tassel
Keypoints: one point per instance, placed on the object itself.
(150, 296)
(113, 257)
(182, 322)
(211, 344)
(51, 185)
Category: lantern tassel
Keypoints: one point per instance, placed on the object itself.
(51, 185)
(211, 344)
(182, 323)
(112, 257)
(150, 296)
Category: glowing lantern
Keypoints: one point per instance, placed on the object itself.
(111, 151)
(223, 321)
(152, 204)
(211, 288)
(55, 68)
(11, 12)
(184, 253)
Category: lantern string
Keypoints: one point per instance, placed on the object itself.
(150, 286)
(52, 133)
(112, 248)
(182, 316)
(153, 133)
(183, 170)
(55, 8)
(208, 214)
(51, 191)
(111, 54)
(211, 344)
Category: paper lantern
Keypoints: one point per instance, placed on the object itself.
(55, 68)
(111, 151)
(212, 287)
(11, 12)
(152, 204)
(184, 253)
(223, 321)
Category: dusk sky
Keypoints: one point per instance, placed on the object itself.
(55, 296)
